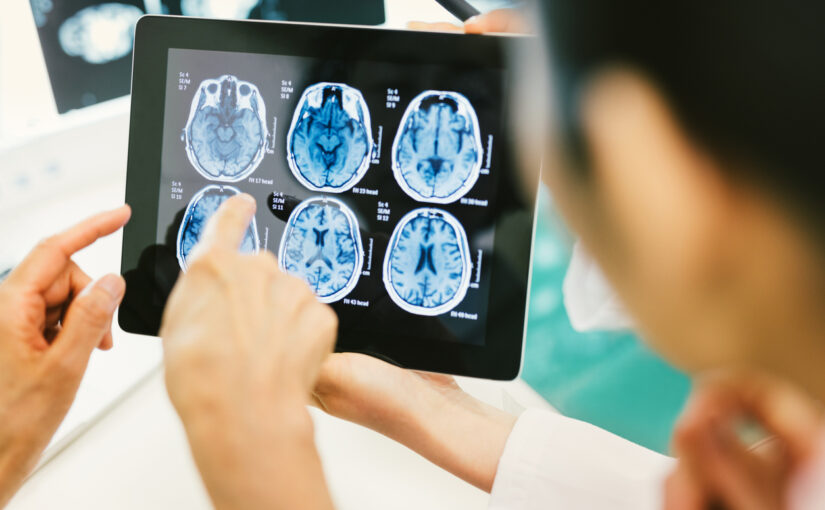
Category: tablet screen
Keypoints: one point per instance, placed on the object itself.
(375, 181)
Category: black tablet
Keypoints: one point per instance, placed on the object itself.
(381, 161)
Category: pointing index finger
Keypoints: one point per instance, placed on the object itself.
(226, 229)
(91, 229)
(49, 258)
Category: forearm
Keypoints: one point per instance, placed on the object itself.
(16, 462)
(11, 477)
(458, 433)
(428, 413)
(262, 462)
(20, 449)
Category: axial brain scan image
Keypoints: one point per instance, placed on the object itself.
(322, 245)
(427, 265)
(436, 155)
(202, 206)
(329, 144)
(226, 133)
(100, 33)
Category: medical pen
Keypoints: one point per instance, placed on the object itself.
(459, 8)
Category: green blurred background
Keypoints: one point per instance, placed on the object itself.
(609, 379)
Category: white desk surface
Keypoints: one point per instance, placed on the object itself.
(136, 457)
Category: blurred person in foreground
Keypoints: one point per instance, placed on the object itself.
(681, 141)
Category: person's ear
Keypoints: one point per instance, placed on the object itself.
(663, 197)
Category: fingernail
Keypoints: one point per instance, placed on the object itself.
(472, 20)
(249, 198)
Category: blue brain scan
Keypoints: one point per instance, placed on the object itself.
(202, 206)
(100, 33)
(427, 266)
(436, 155)
(322, 245)
(329, 144)
(226, 133)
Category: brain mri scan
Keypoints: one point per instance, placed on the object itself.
(41, 10)
(329, 144)
(322, 245)
(229, 9)
(100, 33)
(427, 266)
(226, 133)
(202, 206)
(436, 155)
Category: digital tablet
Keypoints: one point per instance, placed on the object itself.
(381, 161)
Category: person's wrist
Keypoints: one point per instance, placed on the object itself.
(465, 436)
(451, 404)
(235, 437)
(17, 459)
(241, 457)
(284, 414)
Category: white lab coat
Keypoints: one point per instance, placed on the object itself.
(554, 462)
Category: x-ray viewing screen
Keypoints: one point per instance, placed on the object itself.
(87, 44)
(375, 181)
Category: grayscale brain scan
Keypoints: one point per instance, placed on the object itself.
(41, 10)
(202, 206)
(427, 265)
(329, 144)
(437, 154)
(322, 244)
(100, 33)
(229, 9)
(226, 133)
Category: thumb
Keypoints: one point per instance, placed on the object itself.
(87, 321)
(503, 21)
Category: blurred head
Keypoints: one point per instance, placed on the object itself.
(684, 145)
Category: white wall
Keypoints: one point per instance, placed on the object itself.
(25, 94)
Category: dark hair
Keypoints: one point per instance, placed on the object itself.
(745, 79)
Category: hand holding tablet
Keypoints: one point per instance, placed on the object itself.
(381, 164)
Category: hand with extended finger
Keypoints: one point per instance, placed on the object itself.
(243, 344)
(52, 316)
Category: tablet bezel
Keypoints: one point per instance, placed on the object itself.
(500, 356)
